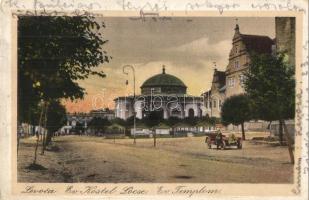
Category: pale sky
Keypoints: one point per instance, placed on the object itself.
(186, 46)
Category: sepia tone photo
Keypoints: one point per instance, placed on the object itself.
(153, 99)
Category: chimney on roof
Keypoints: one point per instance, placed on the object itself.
(237, 26)
(215, 66)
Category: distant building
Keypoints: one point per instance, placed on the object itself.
(84, 118)
(214, 98)
(164, 94)
(103, 113)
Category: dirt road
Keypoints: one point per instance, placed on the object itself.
(94, 159)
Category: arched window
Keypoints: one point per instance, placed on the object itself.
(191, 113)
(200, 112)
(214, 103)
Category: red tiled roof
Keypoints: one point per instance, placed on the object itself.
(258, 44)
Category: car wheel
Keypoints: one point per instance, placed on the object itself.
(209, 145)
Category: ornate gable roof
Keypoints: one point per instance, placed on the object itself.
(257, 43)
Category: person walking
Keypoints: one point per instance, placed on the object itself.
(219, 139)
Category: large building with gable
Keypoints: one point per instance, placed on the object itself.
(230, 82)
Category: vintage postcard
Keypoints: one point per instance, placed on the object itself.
(151, 100)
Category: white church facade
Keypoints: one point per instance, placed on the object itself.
(164, 94)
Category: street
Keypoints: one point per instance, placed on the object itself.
(174, 160)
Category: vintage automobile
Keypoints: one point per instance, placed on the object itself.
(227, 141)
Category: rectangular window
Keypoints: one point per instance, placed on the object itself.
(236, 63)
(241, 79)
(220, 103)
(247, 59)
(231, 82)
(215, 103)
(236, 49)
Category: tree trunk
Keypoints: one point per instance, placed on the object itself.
(281, 132)
(38, 136)
(44, 134)
(243, 131)
(154, 138)
(43, 143)
(289, 142)
(36, 150)
(18, 138)
(48, 138)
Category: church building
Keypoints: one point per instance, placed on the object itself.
(162, 93)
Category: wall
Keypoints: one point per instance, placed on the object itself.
(274, 128)
(285, 37)
(259, 126)
(123, 108)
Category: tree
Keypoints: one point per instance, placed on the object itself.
(172, 121)
(214, 120)
(235, 110)
(61, 50)
(79, 128)
(270, 86)
(153, 118)
(56, 118)
(130, 121)
(53, 53)
(191, 120)
(119, 121)
(99, 124)
(206, 121)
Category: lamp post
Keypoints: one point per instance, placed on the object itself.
(134, 113)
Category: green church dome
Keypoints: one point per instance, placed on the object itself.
(163, 80)
(164, 83)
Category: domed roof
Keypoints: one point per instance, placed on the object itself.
(163, 80)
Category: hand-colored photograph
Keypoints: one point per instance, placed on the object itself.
(153, 99)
